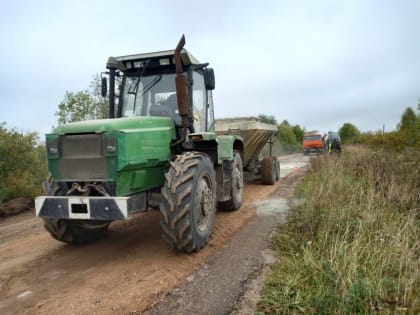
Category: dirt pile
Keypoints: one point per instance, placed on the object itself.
(16, 206)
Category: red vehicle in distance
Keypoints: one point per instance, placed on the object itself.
(312, 143)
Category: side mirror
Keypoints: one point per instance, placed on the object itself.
(209, 79)
(104, 87)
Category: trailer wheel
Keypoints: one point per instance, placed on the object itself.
(188, 202)
(277, 165)
(71, 231)
(268, 171)
(237, 182)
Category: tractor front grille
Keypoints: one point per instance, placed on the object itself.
(82, 157)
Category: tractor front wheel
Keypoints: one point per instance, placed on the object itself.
(188, 202)
(71, 231)
(76, 231)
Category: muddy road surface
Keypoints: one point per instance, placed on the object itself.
(132, 270)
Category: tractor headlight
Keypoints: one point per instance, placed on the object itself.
(110, 145)
(52, 147)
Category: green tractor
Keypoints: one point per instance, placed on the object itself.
(158, 147)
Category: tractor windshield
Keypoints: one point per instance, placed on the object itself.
(155, 95)
(152, 95)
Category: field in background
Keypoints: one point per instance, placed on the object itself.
(353, 245)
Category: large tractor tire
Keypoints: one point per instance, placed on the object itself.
(71, 231)
(237, 182)
(76, 231)
(188, 202)
(268, 171)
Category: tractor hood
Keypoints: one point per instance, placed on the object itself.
(131, 152)
(116, 124)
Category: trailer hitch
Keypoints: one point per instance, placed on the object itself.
(87, 190)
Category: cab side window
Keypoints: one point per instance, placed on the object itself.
(199, 102)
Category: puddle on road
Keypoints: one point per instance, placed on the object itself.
(286, 168)
(287, 165)
(277, 206)
(272, 206)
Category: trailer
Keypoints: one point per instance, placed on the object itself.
(255, 134)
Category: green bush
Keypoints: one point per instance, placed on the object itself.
(349, 133)
(405, 139)
(287, 138)
(396, 141)
(22, 164)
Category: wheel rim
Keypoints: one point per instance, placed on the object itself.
(204, 203)
(239, 185)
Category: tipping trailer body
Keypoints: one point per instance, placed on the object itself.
(255, 134)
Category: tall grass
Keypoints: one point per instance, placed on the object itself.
(353, 246)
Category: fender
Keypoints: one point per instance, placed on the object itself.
(225, 144)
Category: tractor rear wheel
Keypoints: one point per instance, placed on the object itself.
(188, 202)
(268, 171)
(237, 183)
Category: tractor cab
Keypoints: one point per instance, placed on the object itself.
(148, 88)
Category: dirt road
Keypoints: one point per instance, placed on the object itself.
(127, 272)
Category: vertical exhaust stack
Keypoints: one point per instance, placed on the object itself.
(181, 86)
(112, 65)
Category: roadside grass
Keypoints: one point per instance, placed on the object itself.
(353, 246)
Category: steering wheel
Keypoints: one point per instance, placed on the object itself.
(166, 110)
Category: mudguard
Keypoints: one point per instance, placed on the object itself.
(225, 144)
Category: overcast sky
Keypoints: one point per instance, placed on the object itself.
(318, 64)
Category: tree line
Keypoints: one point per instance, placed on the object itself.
(407, 134)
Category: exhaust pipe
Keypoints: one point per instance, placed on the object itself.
(181, 86)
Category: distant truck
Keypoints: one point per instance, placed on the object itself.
(312, 143)
(332, 142)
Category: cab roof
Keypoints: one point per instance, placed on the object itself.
(186, 57)
(159, 59)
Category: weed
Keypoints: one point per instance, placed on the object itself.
(353, 246)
